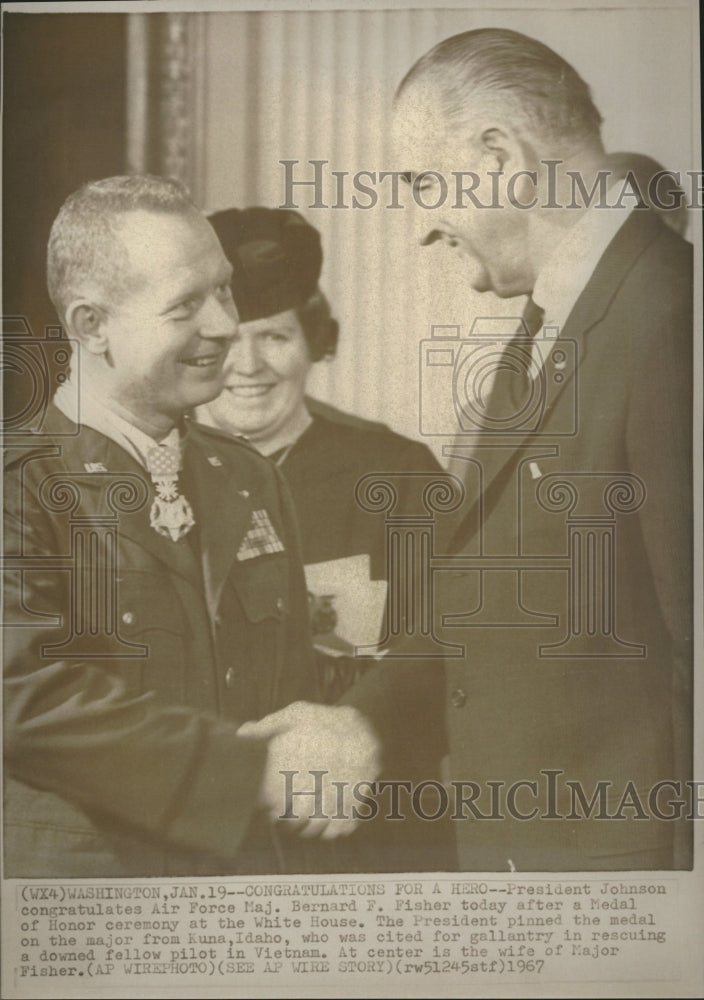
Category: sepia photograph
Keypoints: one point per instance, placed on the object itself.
(352, 577)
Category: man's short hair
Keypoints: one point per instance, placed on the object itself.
(533, 83)
(85, 251)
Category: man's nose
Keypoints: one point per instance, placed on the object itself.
(420, 219)
(424, 224)
(219, 319)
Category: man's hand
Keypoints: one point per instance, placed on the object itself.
(304, 737)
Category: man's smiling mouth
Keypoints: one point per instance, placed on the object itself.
(203, 360)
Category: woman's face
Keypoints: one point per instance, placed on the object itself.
(265, 378)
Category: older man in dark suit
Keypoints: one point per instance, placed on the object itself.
(567, 578)
(155, 599)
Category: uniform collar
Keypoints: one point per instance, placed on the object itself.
(90, 411)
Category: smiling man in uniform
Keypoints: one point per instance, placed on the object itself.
(155, 600)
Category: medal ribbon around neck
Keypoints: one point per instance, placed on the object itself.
(171, 514)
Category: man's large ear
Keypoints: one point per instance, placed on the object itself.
(86, 322)
(503, 146)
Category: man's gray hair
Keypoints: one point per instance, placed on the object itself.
(535, 84)
(85, 251)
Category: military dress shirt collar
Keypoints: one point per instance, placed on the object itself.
(93, 412)
(565, 274)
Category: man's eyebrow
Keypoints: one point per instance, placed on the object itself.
(186, 293)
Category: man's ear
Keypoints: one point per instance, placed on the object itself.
(503, 146)
(86, 322)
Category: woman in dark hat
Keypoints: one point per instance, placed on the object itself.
(286, 327)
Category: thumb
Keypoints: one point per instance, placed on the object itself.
(275, 722)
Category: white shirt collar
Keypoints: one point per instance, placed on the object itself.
(569, 267)
(93, 412)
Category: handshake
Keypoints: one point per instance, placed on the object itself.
(336, 745)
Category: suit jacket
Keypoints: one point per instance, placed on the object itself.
(131, 660)
(577, 625)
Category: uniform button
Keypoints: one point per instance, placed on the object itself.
(217, 621)
(458, 698)
(280, 605)
(229, 677)
(128, 618)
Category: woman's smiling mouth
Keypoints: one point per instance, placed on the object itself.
(251, 391)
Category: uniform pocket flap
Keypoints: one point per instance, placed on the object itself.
(261, 589)
(146, 602)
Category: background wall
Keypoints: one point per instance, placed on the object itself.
(64, 106)
(307, 85)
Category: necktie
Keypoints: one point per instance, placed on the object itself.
(533, 317)
(510, 401)
(171, 514)
(510, 395)
(521, 358)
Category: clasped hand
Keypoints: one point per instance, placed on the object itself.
(305, 738)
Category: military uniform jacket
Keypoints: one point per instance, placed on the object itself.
(566, 589)
(131, 660)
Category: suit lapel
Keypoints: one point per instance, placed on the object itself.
(637, 233)
(639, 230)
(223, 512)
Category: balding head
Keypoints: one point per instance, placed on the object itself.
(502, 72)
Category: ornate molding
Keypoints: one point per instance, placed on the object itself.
(165, 92)
(175, 98)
